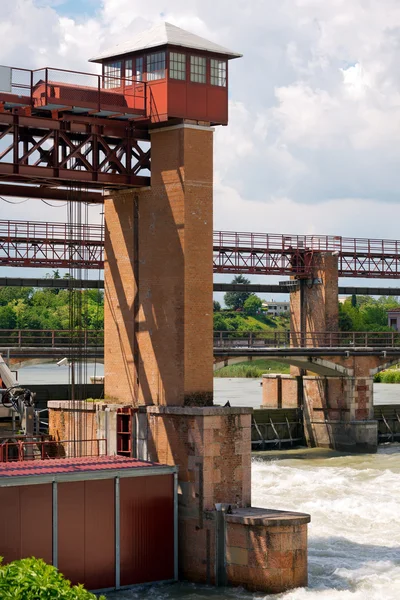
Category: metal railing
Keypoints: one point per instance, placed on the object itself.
(46, 338)
(289, 339)
(94, 338)
(52, 87)
(24, 243)
(40, 449)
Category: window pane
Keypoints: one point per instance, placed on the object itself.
(156, 66)
(198, 69)
(128, 71)
(218, 72)
(139, 69)
(177, 65)
(112, 74)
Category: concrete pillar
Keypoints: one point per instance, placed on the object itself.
(158, 277)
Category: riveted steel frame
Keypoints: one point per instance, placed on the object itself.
(55, 153)
(53, 245)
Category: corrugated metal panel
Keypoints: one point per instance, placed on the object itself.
(71, 523)
(147, 529)
(86, 532)
(36, 521)
(99, 534)
(10, 524)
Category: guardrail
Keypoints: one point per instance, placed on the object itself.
(94, 338)
(290, 339)
(44, 338)
(40, 449)
(49, 87)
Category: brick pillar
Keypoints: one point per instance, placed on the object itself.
(314, 306)
(158, 341)
(338, 413)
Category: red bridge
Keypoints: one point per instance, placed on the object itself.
(59, 245)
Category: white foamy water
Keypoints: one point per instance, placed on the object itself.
(354, 536)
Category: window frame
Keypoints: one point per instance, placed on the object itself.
(171, 69)
(197, 72)
(112, 76)
(215, 73)
(156, 74)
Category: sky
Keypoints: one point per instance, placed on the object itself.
(314, 129)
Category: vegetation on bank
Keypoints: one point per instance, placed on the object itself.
(365, 313)
(33, 579)
(254, 368)
(388, 376)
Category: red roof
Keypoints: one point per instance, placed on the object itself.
(72, 466)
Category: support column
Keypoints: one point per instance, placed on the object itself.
(158, 277)
(338, 413)
(314, 305)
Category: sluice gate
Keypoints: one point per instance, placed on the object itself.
(280, 429)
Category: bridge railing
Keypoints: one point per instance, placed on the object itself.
(45, 338)
(319, 339)
(94, 338)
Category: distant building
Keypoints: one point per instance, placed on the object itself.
(394, 318)
(275, 309)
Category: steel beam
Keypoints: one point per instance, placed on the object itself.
(48, 193)
(255, 288)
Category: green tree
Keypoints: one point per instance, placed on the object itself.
(252, 305)
(219, 323)
(354, 300)
(8, 294)
(235, 300)
(7, 318)
(216, 306)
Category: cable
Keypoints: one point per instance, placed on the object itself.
(52, 205)
(9, 201)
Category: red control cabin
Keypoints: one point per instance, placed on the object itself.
(186, 75)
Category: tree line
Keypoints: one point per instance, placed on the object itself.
(48, 308)
(356, 313)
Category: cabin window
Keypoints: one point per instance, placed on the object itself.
(177, 65)
(139, 69)
(218, 72)
(129, 68)
(198, 69)
(128, 71)
(156, 66)
(112, 74)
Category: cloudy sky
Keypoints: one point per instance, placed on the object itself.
(313, 140)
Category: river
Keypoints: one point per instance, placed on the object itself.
(354, 502)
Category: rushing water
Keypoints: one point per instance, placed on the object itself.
(354, 535)
(354, 502)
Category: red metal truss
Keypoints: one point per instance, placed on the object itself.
(58, 245)
(51, 245)
(281, 254)
(56, 153)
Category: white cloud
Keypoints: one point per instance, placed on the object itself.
(312, 142)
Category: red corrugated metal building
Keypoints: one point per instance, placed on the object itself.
(106, 522)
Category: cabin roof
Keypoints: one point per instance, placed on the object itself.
(161, 35)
